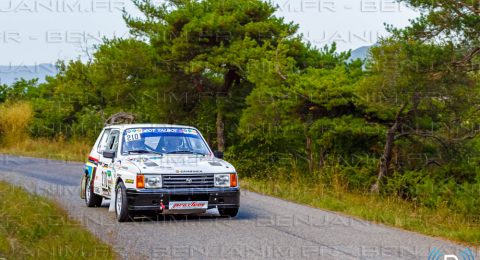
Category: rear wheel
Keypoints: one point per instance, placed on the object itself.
(228, 212)
(121, 203)
(91, 199)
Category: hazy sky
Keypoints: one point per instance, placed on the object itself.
(43, 31)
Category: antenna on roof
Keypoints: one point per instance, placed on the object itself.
(120, 118)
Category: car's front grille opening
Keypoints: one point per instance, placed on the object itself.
(178, 181)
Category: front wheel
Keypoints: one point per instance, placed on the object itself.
(228, 212)
(121, 203)
(91, 199)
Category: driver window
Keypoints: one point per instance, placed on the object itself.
(112, 143)
(102, 145)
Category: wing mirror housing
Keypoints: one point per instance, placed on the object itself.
(218, 154)
(109, 154)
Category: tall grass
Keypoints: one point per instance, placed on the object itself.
(14, 120)
(57, 149)
(33, 227)
(393, 211)
(14, 139)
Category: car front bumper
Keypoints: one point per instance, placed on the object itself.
(153, 199)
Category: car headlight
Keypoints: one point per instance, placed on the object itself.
(222, 180)
(153, 181)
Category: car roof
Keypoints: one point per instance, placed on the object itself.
(125, 126)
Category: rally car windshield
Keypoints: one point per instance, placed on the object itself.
(163, 140)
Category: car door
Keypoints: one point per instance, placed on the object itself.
(106, 164)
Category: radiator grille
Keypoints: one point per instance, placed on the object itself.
(178, 181)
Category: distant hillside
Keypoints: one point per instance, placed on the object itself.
(360, 53)
(11, 73)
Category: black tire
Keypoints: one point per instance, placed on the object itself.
(91, 199)
(228, 212)
(121, 203)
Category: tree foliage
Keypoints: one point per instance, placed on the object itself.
(211, 43)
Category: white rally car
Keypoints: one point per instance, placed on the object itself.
(161, 168)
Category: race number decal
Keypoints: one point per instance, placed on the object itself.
(132, 137)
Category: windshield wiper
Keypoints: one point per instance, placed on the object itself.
(143, 151)
(185, 152)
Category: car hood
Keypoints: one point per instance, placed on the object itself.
(175, 164)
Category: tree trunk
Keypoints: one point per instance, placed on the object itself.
(386, 157)
(308, 149)
(229, 79)
(220, 128)
(321, 160)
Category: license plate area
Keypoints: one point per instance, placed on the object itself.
(187, 205)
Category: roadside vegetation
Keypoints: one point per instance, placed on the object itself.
(15, 121)
(34, 228)
(56, 149)
(400, 127)
(389, 210)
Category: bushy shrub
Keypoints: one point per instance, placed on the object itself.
(88, 125)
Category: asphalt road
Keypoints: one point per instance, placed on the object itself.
(266, 227)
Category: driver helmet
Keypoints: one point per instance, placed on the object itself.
(173, 143)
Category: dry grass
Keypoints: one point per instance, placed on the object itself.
(386, 210)
(52, 149)
(14, 119)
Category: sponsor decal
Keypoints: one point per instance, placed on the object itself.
(90, 168)
(161, 130)
(188, 171)
(138, 160)
(134, 131)
(136, 134)
(92, 160)
(189, 131)
(166, 130)
(188, 205)
(129, 181)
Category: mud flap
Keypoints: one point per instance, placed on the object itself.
(113, 199)
(83, 187)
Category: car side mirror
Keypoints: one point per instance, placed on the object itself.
(109, 154)
(218, 154)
